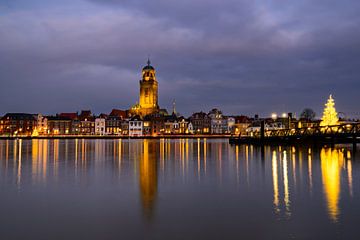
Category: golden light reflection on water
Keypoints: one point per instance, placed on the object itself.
(275, 181)
(7, 154)
(310, 170)
(40, 152)
(237, 163)
(205, 155)
(148, 178)
(119, 155)
(350, 179)
(247, 161)
(332, 161)
(162, 154)
(198, 157)
(220, 164)
(187, 158)
(56, 157)
(293, 161)
(286, 184)
(19, 163)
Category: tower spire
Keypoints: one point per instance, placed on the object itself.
(174, 107)
(148, 61)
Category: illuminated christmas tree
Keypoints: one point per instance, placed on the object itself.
(330, 116)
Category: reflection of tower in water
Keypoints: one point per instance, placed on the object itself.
(148, 178)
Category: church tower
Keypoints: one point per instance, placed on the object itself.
(148, 99)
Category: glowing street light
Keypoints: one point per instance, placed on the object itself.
(274, 116)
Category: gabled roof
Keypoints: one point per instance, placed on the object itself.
(86, 114)
(59, 118)
(242, 119)
(215, 111)
(171, 118)
(118, 113)
(199, 115)
(136, 118)
(103, 115)
(19, 116)
(72, 116)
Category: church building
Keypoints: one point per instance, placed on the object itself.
(148, 97)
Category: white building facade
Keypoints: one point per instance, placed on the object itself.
(100, 126)
(136, 127)
(219, 124)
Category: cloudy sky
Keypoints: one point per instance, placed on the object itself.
(242, 56)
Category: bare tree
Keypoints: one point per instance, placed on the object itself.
(308, 114)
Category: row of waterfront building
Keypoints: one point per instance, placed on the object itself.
(123, 123)
(146, 118)
(117, 123)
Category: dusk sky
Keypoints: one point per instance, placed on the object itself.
(241, 56)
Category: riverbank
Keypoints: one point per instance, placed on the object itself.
(113, 137)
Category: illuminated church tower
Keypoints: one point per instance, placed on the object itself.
(148, 99)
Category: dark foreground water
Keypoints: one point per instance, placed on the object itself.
(176, 189)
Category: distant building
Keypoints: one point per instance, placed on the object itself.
(157, 123)
(190, 128)
(201, 123)
(230, 125)
(87, 123)
(171, 124)
(135, 127)
(269, 124)
(241, 124)
(75, 122)
(115, 123)
(125, 127)
(18, 124)
(218, 122)
(100, 126)
(148, 98)
(42, 125)
(58, 125)
(183, 125)
(147, 126)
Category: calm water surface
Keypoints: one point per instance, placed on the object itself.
(176, 189)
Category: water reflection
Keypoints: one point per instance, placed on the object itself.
(310, 170)
(39, 160)
(350, 180)
(286, 172)
(275, 181)
(19, 164)
(332, 161)
(148, 178)
(286, 184)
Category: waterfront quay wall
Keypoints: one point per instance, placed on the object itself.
(116, 137)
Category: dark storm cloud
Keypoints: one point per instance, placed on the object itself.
(240, 56)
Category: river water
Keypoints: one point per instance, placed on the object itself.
(176, 189)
